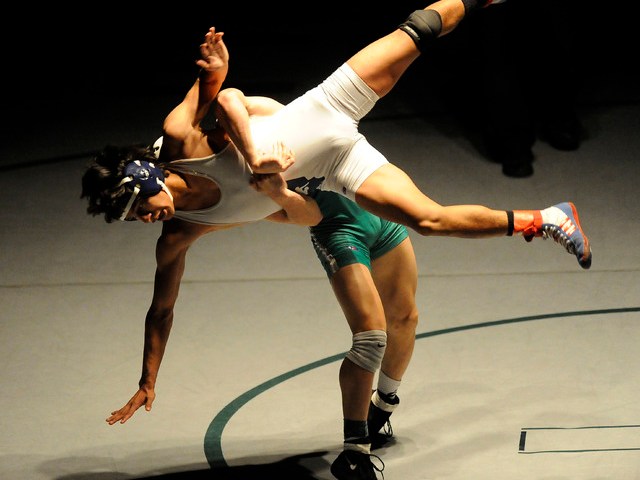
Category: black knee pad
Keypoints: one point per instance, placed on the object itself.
(423, 26)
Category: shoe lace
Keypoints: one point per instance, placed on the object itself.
(376, 467)
(559, 236)
(387, 429)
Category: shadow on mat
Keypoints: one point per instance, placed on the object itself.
(290, 467)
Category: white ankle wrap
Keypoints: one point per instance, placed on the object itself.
(381, 404)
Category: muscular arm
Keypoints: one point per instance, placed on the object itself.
(296, 208)
(182, 135)
(233, 111)
(171, 251)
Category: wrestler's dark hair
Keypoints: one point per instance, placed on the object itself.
(104, 173)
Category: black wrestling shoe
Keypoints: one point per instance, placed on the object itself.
(378, 422)
(353, 465)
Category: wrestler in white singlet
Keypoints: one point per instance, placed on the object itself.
(320, 127)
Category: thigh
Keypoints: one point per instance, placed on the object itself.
(381, 63)
(391, 194)
(358, 297)
(395, 275)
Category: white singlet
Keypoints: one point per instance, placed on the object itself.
(320, 127)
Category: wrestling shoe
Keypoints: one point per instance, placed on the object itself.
(352, 465)
(561, 223)
(379, 412)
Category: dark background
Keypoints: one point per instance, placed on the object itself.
(67, 61)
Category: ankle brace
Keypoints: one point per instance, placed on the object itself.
(525, 222)
(357, 447)
(382, 404)
(354, 428)
(423, 26)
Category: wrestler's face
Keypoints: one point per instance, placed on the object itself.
(158, 207)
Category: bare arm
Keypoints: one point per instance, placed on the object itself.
(182, 136)
(296, 208)
(171, 251)
(233, 111)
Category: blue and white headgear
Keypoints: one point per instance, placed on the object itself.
(144, 179)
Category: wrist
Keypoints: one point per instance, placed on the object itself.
(210, 76)
(146, 382)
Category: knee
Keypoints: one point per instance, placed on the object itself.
(423, 26)
(367, 349)
(405, 322)
(227, 96)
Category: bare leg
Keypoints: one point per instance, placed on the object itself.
(391, 194)
(357, 295)
(382, 63)
(396, 277)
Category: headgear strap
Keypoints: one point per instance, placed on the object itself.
(143, 179)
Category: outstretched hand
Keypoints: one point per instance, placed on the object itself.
(213, 51)
(143, 396)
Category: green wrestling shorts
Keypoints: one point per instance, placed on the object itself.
(349, 234)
